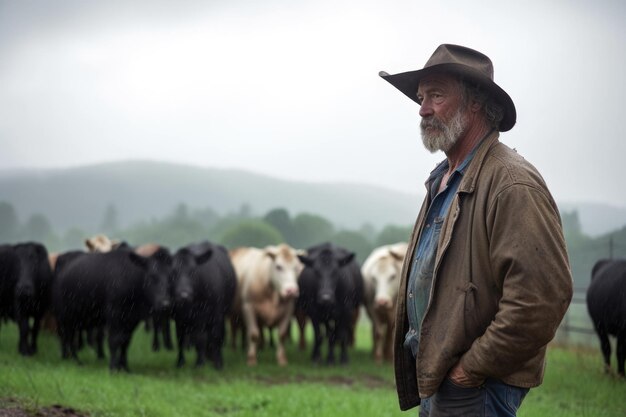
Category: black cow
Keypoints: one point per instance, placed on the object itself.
(116, 289)
(95, 335)
(204, 289)
(25, 281)
(606, 303)
(159, 320)
(331, 291)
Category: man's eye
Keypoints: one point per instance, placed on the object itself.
(438, 98)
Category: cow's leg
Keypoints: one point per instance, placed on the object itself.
(375, 341)
(219, 342)
(67, 334)
(270, 334)
(200, 338)
(344, 330)
(180, 336)
(331, 332)
(124, 350)
(377, 337)
(34, 333)
(156, 328)
(621, 352)
(388, 341)
(317, 343)
(73, 346)
(79, 338)
(283, 331)
(605, 347)
(63, 340)
(233, 321)
(355, 319)
(115, 343)
(167, 334)
(21, 318)
(252, 330)
(261, 341)
(91, 341)
(100, 341)
(301, 319)
(22, 344)
(216, 340)
(71, 331)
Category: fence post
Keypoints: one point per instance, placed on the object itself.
(563, 331)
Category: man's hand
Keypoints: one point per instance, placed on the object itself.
(459, 377)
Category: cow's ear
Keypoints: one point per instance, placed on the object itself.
(164, 256)
(271, 251)
(138, 260)
(398, 256)
(346, 259)
(305, 260)
(89, 244)
(119, 244)
(204, 257)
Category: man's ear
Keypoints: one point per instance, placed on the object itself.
(475, 106)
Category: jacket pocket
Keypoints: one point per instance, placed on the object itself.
(472, 327)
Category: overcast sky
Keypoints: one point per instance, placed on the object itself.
(290, 88)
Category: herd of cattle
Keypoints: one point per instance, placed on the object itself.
(104, 293)
(109, 289)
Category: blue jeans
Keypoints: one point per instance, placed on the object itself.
(492, 399)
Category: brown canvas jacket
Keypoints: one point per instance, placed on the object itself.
(501, 284)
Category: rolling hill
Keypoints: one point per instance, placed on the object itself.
(141, 190)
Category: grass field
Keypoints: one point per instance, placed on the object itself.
(575, 384)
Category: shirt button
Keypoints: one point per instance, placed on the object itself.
(411, 295)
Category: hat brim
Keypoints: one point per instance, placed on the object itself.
(408, 82)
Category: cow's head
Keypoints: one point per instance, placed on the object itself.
(34, 269)
(385, 280)
(158, 270)
(326, 265)
(285, 269)
(100, 244)
(185, 271)
(385, 276)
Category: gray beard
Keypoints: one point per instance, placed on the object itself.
(445, 135)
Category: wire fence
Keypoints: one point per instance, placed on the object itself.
(576, 327)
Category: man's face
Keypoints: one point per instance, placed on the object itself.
(443, 111)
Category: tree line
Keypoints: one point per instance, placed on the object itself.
(184, 225)
(245, 228)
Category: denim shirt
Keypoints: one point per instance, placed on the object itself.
(423, 265)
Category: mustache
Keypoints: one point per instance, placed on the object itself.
(432, 121)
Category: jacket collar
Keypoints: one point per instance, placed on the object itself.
(471, 170)
(468, 183)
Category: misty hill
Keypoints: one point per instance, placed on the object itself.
(143, 190)
(597, 219)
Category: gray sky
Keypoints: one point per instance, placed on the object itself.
(290, 88)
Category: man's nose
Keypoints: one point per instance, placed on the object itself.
(426, 109)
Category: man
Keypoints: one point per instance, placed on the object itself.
(486, 280)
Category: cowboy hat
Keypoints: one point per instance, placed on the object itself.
(471, 65)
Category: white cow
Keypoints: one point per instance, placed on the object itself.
(381, 277)
(101, 244)
(267, 288)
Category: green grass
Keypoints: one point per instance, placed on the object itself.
(575, 384)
